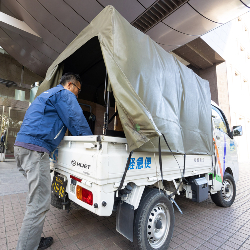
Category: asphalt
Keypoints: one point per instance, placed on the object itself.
(202, 225)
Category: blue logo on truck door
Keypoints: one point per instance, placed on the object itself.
(232, 145)
(140, 163)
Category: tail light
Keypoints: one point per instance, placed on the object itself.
(84, 195)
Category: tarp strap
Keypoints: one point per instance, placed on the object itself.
(113, 116)
(160, 162)
(125, 172)
(105, 87)
(176, 205)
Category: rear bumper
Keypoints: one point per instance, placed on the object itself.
(103, 202)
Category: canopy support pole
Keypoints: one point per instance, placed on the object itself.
(106, 114)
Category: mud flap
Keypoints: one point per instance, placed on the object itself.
(125, 220)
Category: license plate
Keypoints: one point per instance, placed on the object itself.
(58, 186)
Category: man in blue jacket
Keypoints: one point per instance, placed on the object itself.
(43, 127)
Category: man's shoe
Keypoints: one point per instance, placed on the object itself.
(45, 242)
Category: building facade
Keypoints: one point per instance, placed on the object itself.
(222, 56)
(15, 94)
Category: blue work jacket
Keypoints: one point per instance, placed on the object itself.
(49, 116)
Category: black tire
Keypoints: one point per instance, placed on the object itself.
(57, 203)
(226, 196)
(154, 221)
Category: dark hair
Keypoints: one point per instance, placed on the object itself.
(70, 77)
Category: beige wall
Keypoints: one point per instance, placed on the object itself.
(222, 85)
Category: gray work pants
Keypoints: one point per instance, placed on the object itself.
(35, 167)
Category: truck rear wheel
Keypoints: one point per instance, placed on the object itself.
(154, 221)
(226, 196)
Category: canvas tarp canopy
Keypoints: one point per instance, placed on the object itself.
(155, 93)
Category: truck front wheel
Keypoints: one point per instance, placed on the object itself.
(154, 221)
(226, 196)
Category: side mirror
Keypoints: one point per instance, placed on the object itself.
(237, 130)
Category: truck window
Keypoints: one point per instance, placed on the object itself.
(219, 120)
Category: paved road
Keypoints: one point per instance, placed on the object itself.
(203, 225)
(11, 181)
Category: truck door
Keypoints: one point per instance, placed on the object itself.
(225, 148)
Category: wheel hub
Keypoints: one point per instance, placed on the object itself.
(158, 225)
(227, 190)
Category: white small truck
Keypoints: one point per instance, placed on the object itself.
(91, 167)
(167, 139)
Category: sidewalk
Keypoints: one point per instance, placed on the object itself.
(203, 226)
(11, 181)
